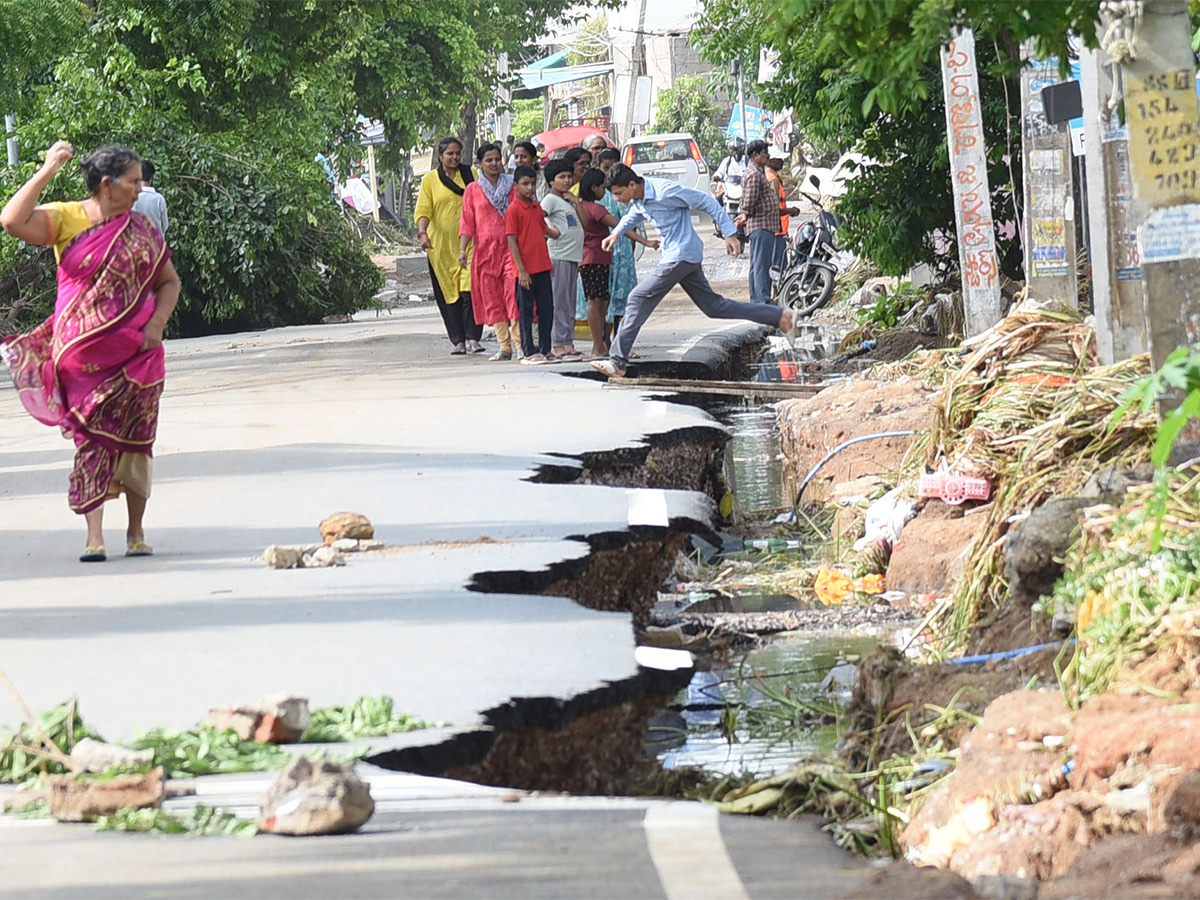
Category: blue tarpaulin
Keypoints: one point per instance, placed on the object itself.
(536, 79)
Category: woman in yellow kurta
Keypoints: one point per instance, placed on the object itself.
(439, 210)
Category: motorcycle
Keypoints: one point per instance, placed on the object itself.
(728, 193)
(804, 281)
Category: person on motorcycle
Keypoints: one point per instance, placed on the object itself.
(725, 175)
(734, 163)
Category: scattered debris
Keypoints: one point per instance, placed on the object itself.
(315, 556)
(40, 747)
(75, 799)
(205, 750)
(323, 557)
(346, 525)
(90, 755)
(366, 717)
(200, 820)
(280, 719)
(278, 557)
(309, 798)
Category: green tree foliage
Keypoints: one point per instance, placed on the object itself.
(592, 44)
(864, 75)
(527, 118)
(689, 106)
(232, 99)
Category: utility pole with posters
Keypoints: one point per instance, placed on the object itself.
(1154, 53)
(1118, 300)
(972, 195)
(1049, 243)
(1151, 43)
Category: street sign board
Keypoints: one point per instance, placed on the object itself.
(371, 133)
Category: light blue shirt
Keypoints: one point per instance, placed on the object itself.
(150, 203)
(668, 204)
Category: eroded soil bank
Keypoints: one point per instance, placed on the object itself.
(1102, 800)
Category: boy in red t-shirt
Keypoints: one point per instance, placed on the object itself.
(525, 225)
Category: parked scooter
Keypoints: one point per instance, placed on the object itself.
(728, 192)
(804, 281)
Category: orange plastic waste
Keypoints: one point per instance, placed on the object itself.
(833, 587)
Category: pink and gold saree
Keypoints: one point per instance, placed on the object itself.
(83, 369)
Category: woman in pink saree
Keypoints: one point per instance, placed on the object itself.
(95, 368)
(495, 292)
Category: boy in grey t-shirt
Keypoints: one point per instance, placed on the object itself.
(566, 253)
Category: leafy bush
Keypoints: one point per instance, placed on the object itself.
(889, 309)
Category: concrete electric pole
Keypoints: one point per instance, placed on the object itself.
(1049, 199)
(1118, 300)
(972, 195)
(1150, 42)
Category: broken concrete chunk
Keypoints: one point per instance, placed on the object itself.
(90, 755)
(288, 717)
(315, 797)
(323, 557)
(346, 545)
(278, 557)
(278, 719)
(75, 800)
(240, 721)
(346, 525)
(365, 546)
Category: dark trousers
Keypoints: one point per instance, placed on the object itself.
(762, 254)
(689, 276)
(458, 317)
(541, 294)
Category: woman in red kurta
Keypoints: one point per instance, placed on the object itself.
(493, 278)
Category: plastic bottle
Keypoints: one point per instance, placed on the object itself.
(772, 544)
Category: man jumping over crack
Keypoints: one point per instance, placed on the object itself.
(668, 205)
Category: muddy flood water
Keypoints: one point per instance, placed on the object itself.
(763, 709)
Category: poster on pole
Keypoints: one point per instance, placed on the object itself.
(972, 195)
(758, 123)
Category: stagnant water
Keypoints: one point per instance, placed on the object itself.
(757, 459)
(721, 721)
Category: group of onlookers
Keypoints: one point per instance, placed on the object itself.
(509, 249)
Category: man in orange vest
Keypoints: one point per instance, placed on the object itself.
(774, 166)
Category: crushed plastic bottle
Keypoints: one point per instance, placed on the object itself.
(772, 544)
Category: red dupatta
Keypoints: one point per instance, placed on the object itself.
(83, 369)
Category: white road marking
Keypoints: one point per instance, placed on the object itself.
(688, 852)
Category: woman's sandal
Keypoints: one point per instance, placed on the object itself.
(93, 554)
(138, 548)
(459, 350)
(500, 357)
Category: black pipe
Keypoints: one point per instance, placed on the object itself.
(838, 449)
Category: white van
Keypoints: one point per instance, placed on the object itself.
(673, 156)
